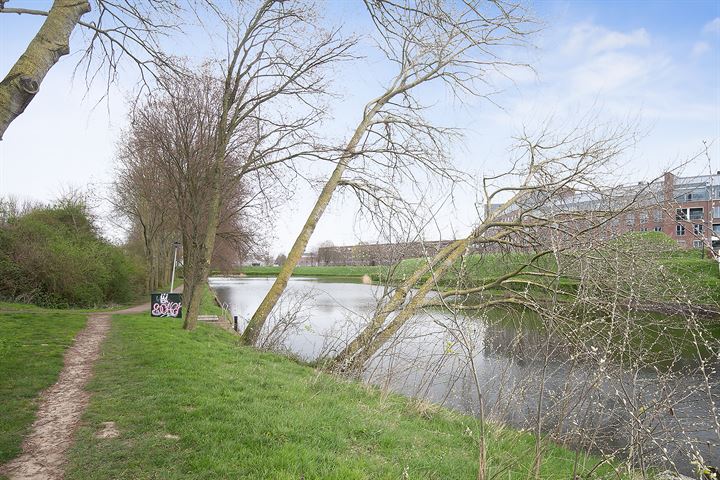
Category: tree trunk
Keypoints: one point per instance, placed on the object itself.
(52, 41)
(364, 346)
(254, 327)
(196, 273)
(192, 292)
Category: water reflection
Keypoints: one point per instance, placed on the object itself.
(586, 400)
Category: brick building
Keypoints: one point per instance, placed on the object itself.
(685, 208)
(377, 253)
(694, 204)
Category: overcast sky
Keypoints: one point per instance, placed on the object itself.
(656, 62)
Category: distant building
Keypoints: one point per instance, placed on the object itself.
(308, 260)
(377, 253)
(685, 208)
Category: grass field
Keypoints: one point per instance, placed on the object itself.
(320, 271)
(697, 276)
(32, 345)
(197, 405)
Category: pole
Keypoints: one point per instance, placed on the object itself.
(172, 278)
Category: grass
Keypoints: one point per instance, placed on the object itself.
(198, 405)
(208, 305)
(698, 277)
(32, 346)
(348, 271)
(697, 274)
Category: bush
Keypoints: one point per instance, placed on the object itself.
(55, 257)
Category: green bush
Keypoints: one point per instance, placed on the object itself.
(55, 257)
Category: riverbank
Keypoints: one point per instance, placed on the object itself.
(175, 404)
(340, 271)
(674, 280)
(189, 404)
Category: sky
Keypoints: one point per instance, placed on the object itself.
(656, 63)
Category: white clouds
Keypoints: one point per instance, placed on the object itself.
(699, 48)
(596, 59)
(713, 26)
(612, 71)
(587, 38)
(642, 75)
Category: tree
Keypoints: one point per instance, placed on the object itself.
(534, 219)
(280, 259)
(126, 30)
(426, 41)
(143, 194)
(212, 128)
(324, 253)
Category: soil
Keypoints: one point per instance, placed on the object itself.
(61, 406)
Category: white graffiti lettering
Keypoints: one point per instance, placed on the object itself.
(165, 308)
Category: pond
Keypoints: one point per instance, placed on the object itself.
(664, 414)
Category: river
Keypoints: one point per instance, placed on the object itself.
(663, 414)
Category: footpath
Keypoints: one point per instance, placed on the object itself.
(61, 406)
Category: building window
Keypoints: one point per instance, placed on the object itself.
(658, 215)
(697, 243)
(698, 229)
(716, 212)
(679, 230)
(716, 227)
(643, 217)
(615, 222)
(630, 219)
(658, 229)
(681, 214)
(643, 229)
(697, 214)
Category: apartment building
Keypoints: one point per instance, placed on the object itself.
(694, 207)
(685, 208)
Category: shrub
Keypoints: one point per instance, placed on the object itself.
(55, 257)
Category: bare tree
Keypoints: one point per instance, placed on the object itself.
(549, 168)
(211, 129)
(117, 31)
(457, 44)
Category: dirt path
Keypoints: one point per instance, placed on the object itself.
(61, 406)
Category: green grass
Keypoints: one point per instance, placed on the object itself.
(328, 271)
(696, 274)
(208, 305)
(198, 405)
(11, 307)
(32, 346)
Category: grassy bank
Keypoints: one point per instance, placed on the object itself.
(197, 405)
(320, 271)
(668, 272)
(33, 341)
(32, 346)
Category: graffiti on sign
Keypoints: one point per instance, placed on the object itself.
(166, 305)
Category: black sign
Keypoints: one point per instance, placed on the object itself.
(166, 305)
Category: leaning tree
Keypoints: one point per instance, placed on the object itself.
(458, 45)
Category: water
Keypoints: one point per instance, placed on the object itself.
(588, 400)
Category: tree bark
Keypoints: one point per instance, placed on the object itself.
(254, 327)
(196, 273)
(364, 346)
(52, 41)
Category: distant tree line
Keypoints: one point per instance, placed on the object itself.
(54, 256)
